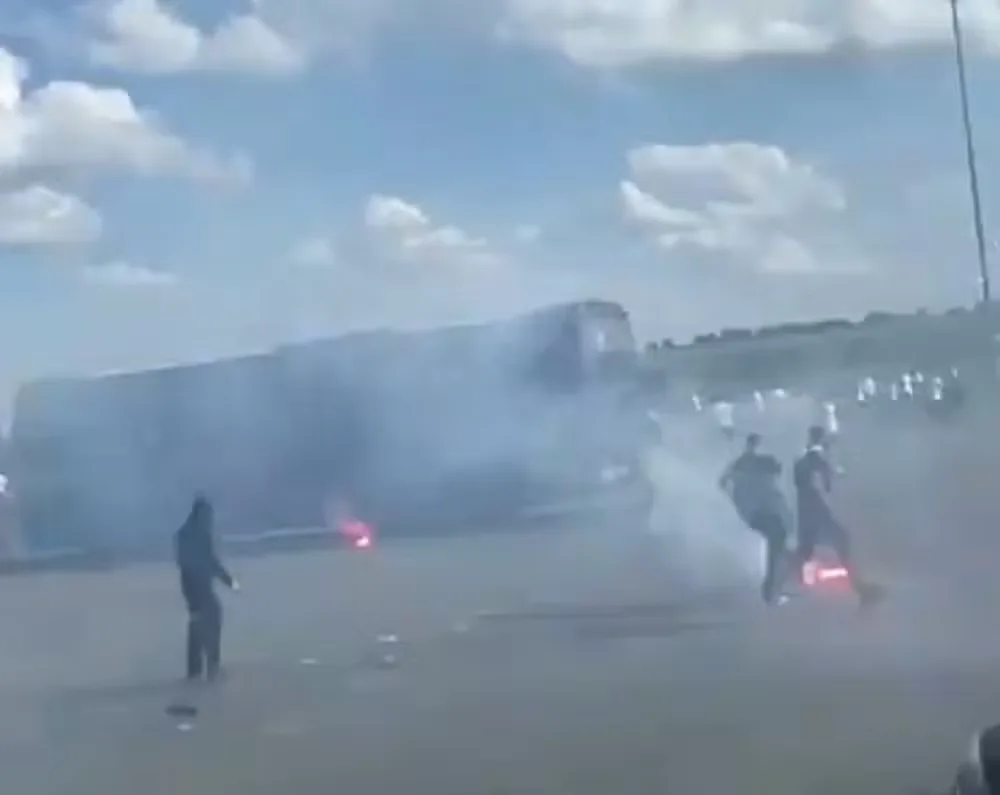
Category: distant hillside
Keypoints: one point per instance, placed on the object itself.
(920, 340)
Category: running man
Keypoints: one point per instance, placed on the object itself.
(818, 525)
(751, 481)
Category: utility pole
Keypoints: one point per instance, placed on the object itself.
(970, 156)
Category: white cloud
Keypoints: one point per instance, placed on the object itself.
(645, 208)
(148, 36)
(393, 236)
(409, 230)
(751, 178)
(125, 275)
(733, 198)
(390, 212)
(38, 215)
(278, 35)
(621, 33)
(71, 124)
(401, 266)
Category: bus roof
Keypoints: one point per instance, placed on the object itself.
(55, 401)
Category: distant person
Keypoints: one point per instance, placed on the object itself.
(199, 568)
(818, 525)
(725, 416)
(8, 520)
(751, 481)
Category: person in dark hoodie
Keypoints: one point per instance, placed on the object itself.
(199, 568)
(751, 481)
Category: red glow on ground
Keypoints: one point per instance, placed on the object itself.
(814, 574)
(364, 542)
(357, 533)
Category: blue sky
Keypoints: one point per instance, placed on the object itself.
(324, 164)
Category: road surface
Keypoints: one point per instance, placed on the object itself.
(572, 662)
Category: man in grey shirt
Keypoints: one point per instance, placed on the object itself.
(752, 483)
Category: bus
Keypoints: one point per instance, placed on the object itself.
(448, 430)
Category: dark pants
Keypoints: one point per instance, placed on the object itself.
(771, 526)
(819, 527)
(204, 631)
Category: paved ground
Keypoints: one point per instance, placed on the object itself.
(571, 663)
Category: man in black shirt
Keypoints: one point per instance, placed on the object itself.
(817, 523)
(199, 568)
(751, 481)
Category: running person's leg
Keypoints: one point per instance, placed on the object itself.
(806, 542)
(772, 528)
(838, 537)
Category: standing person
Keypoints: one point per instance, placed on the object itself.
(9, 546)
(724, 415)
(199, 567)
(817, 523)
(751, 481)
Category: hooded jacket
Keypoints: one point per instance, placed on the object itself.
(195, 549)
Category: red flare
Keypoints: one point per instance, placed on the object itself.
(814, 573)
(357, 533)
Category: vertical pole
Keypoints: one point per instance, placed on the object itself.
(970, 155)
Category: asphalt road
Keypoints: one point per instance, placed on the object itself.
(573, 662)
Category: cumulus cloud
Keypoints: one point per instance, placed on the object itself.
(409, 231)
(148, 36)
(278, 36)
(762, 181)
(394, 235)
(122, 274)
(398, 264)
(38, 215)
(74, 125)
(735, 198)
(622, 33)
(382, 271)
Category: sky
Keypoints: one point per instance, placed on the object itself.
(185, 179)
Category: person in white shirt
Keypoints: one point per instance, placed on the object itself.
(724, 415)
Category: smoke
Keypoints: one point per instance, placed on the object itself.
(439, 430)
(702, 540)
